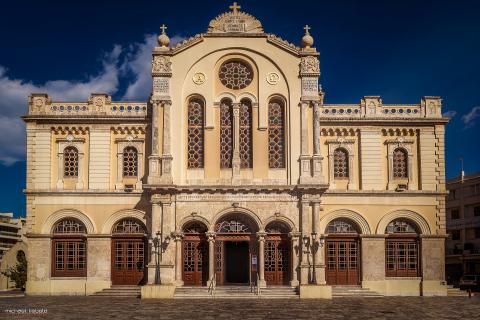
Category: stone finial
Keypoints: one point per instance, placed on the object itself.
(307, 39)
(163, 39)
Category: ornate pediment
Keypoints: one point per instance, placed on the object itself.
(235, 22)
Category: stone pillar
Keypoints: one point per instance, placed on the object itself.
(79, 184)
(305, 170)
(373, 262)
(154, 228)
(60, 171)
(119, 182)
(154, 158)
(317, 158)
(140, 173)
(317, 255)
(166, 177)
(261, 259)
(211, 257)
(178, 236)
(236, 142)
(351, 172)
(295, 248)
(433, 265)
(305, 263)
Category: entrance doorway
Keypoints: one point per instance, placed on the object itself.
(128, 252)
(236, 261)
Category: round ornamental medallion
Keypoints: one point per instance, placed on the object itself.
(198, 78)
(272, 78)
(235, 74)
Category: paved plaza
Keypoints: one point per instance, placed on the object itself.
(415, 308)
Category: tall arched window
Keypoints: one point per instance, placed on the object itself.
(226, 134)
(69, 246)
(340, 163)
(130, 162)
(400, 163)
(402, 249)
(246, 141)
(195, 134)
(70, 162)
(276, 134)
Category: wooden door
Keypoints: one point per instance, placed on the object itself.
(342, 256)
(277, 258)
(195, 262)
(128, 261)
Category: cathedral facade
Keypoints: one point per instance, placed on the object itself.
(235, 171)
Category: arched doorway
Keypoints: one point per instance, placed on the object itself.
(128, 252)
(195, 254)
(342, 251)
(277, 254)
(236, 249)
(402, 249)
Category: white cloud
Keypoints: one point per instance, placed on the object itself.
(14, 96)
(131, 64)
(449, 114)
(138, 65)
(470, 118)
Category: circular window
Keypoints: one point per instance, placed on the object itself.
(235, 74)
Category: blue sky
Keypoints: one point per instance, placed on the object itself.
(398, 49)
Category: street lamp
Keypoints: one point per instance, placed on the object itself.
(314, 251)
(160, 245)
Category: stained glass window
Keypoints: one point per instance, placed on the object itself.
(400, 163)
(130, 162)
(246, 145)
(226, 134)
(70, 162)
(235, 74)
(276, 134)
(340, 163)
(195, 133)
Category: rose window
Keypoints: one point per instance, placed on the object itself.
(235, 75)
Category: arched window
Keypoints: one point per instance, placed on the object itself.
(69, 258)
(195, 228)
(70, 162)
(402, 249)
(226, 134)
(340, 163)
(130, 162)
(276, 134)
(341, 226)
(400, 163)
(246, 141)
(128, 226)
(195, 133)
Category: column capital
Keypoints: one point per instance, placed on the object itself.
(177, 236)
(294, 234)
(261, 235)
(210, 235)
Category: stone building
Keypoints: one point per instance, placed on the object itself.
(463, 226)
(12, 244)
(235, 169)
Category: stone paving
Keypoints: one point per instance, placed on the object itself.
(415, 308)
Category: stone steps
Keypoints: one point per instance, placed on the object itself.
(353, 291)
(120, 291)
(456, 292)
(236, 292)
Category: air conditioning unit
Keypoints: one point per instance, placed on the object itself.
(401, 187)
(128, 188)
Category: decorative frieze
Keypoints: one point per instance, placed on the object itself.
(161, 66)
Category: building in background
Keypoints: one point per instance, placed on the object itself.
(463, 226)
(12, 244)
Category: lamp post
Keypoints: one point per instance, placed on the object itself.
(159, 244)
(314, 251)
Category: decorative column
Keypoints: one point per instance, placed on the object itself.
(178, 236)
(305, 263)
(317, 157)
(119, 180)
(319, 253)
(211, 257)
(351, 172)
(154, 158)
(236, 142)
(295, 248)
(154, 228)
(60, 171)
(261, 259)
(305, 171)
(160, 167)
